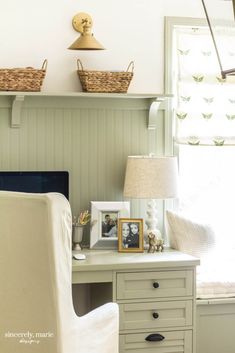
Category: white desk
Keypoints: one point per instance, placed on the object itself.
(155, 293)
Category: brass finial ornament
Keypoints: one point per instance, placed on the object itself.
(82, 23)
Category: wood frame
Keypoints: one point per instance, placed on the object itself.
(133, 242)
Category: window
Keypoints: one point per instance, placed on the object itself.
(207, 184)
(204, 127)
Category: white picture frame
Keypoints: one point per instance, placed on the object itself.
(103, 235)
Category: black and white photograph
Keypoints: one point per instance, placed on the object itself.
(130, 235)
(109, 224)
(104, 223)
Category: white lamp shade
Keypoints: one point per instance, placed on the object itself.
(151, 177)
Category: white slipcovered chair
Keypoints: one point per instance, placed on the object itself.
(36, 309)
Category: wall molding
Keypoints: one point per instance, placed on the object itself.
(19, 100)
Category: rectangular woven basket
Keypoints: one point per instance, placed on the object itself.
(105, 81)
(22, 79)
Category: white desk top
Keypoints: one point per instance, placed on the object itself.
(97, 260)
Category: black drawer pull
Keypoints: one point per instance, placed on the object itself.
(155, 284)
(154, 337)
(155, 315)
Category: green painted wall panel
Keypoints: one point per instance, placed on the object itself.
(92, 143)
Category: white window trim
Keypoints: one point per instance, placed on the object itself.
(170, 148)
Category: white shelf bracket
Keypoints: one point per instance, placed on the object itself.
(153, 110)
(16, 111)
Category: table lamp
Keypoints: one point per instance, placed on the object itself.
(151, 177)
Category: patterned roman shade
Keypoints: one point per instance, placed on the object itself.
(204, 103)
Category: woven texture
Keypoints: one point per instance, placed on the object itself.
(22, 79)
(105, 81)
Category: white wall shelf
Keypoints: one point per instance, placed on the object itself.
(18, 99)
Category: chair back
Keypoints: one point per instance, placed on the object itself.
(35, 272)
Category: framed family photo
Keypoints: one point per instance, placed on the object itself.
(130, 235)
(104, 223)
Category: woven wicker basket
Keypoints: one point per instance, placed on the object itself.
(22, 79)
(105, 81)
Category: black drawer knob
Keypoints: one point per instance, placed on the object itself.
(155, 284)
(154, 337)
(155, 315)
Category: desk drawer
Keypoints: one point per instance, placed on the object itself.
(173, 342)
(140, 285)
(155, 315)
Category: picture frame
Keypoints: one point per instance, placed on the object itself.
(130, 235)
(104, 223)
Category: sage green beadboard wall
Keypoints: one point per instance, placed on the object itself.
(91, 138)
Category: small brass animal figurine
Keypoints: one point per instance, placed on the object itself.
(155, 244)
